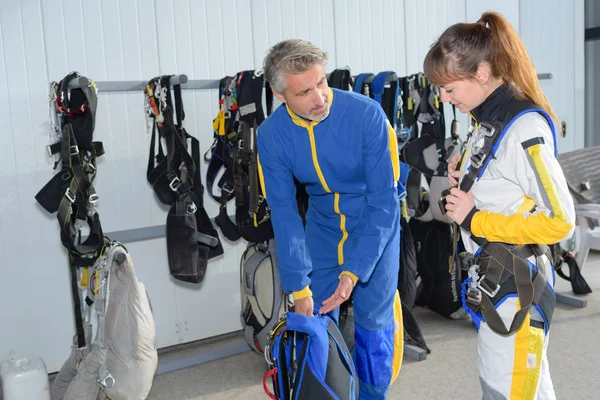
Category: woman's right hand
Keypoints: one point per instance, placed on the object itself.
(453, 174)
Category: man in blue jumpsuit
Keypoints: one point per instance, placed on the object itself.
(341, 146)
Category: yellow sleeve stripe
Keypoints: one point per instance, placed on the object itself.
(519, 229)
(535, 152)
(394, 152)
(301, 294)
(261, 177)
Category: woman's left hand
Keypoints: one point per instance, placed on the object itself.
(458, 205)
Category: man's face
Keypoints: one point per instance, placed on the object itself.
(307, 94)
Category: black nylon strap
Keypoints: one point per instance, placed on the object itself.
(179, 113)
(81, 343)
(498, 257)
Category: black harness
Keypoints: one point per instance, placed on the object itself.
(234, 152)
(70, 192)
(174, 174)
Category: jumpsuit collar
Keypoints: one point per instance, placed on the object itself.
(488, 110)
(303, 123)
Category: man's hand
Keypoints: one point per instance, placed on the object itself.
(341, 294)
(304, 306)
(453, 174)
(458, 205)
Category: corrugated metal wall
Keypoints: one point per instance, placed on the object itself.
(116, 40)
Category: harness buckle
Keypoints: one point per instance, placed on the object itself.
(108, 381)
(73, 150)
(474, 296)
(91, 168)
(191, 208)
(477, 159)
(174, 184)
(485, 287)
(93, 199)
(70, 196)
(227, 188)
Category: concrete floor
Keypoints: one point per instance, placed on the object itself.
(449, 372)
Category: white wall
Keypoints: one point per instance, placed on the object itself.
(112, 40)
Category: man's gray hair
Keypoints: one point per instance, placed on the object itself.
(292, 56)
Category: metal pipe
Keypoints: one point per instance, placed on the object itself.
(78, 82)
(178, 79)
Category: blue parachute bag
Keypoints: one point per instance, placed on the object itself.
(309, 360)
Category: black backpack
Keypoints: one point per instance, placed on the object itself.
(440, 276)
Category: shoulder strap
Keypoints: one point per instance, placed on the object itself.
(361, 80)
(382, 81)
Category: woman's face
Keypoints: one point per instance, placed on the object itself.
(465, 94)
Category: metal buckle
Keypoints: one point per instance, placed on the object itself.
(480, 285)
(93, 199)
(227, 188)
(104, 382)
(191, 208)
(487, 129)
(73, 150)
(174, 184)
(69, 196)
(477, 160)
(91, 167)
(474, 296)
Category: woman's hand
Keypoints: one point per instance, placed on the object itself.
(459, 204)
(453, 174)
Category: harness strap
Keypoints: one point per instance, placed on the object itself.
(500, 262)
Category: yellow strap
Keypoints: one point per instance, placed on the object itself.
(221, 123)
(96, 282)
(436, 100)
(410, 103)
(85, 277)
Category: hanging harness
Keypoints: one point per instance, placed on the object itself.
(499, 269)
(70, 192)
(341, 78)
(174, 174)
(234, 151)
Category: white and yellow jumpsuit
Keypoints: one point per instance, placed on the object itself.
(521, 198)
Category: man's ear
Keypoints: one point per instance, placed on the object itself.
(483, 73)
(279, 96)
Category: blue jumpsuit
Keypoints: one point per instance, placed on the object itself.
(349, 163)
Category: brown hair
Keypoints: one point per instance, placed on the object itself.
(460, 50)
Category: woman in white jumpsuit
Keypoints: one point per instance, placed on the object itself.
(520, 199)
